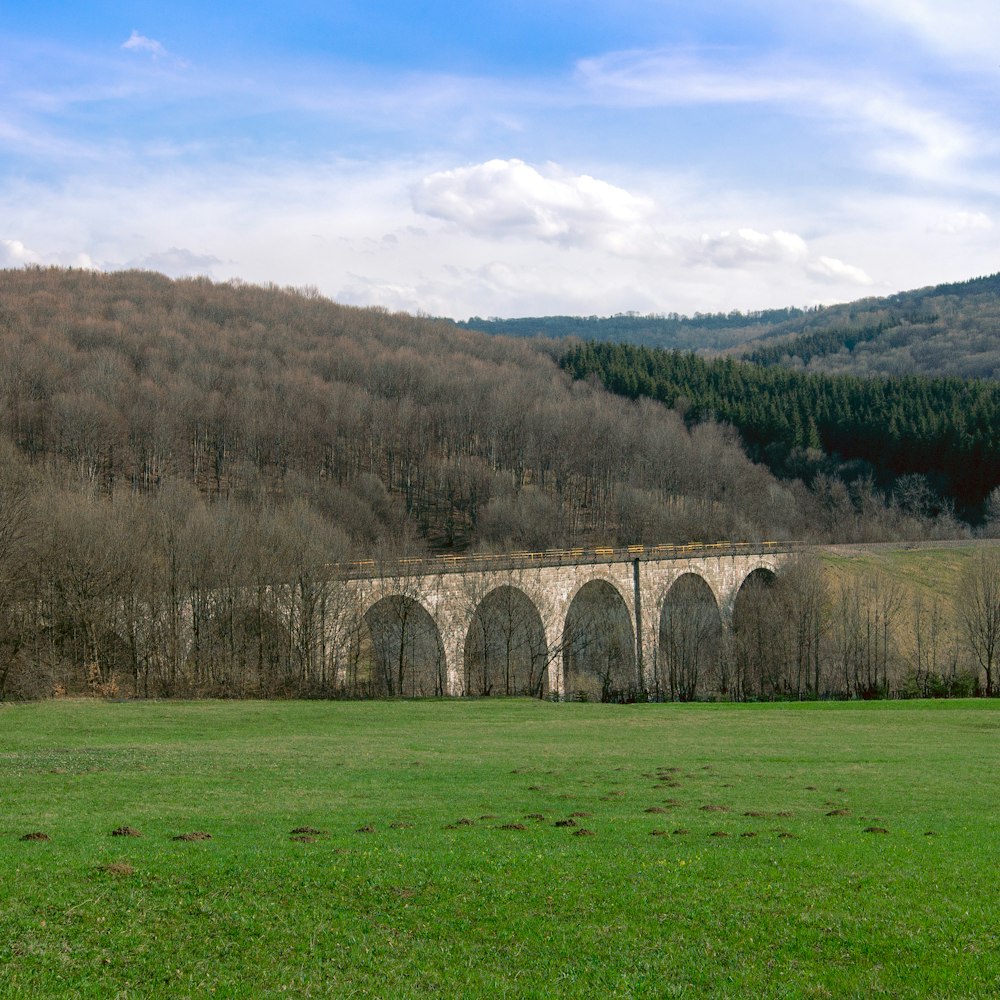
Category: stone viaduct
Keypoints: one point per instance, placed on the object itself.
(635, 585)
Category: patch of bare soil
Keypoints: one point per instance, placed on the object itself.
(565, 822)
(680, 832)
(842, 790)
(581, 815)
(657, 833)
(718, 833)
(535, 816)
(125, 831)
(465, 821)
(308, 831)
(583, 832)
(489, 816)
(929, 833)
(37, 835)
(512, 826)
(669, 783)
(367, 828)
(755, 814)
(839, 812)
(785, 813)
(875, 829)
(303, 838)
(195, 835)
(810, 788)
(714, 809)
(785, 835)
(657, 809)
(117, 868)
(534, 788)
(748, 833)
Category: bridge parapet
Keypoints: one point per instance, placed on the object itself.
(481, 562)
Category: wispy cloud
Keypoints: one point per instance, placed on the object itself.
(894, 129)
(963, 222)
(968, 30)
(140, 43)
(177, 262)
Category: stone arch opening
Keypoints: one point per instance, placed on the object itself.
(690, 638)
(755, 633)
(599, 662)
(505, 648)
(399, 653)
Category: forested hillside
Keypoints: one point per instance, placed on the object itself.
(931, 441)
(702, 330)
(169, 450)
(400, 432)
(949, 329)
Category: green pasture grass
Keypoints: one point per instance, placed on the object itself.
(925, 568)
(792, 902)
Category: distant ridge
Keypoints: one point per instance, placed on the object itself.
(949, 329)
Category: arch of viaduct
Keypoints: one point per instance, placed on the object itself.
(451, 594)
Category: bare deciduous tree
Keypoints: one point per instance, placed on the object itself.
(979, 611)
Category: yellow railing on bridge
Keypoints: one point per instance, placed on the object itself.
(556, 557)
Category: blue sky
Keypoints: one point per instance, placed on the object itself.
(509, 159)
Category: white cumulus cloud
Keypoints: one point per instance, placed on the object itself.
(744, 247)
(13, 253)
(511, 198)
(833, 270)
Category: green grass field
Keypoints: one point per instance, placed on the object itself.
(416, 887)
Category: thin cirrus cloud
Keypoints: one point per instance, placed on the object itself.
(963, 222)
(140, 43)
(890, 128)
(969, 29)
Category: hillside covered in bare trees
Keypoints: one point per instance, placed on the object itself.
(398, 431)
(182, 445)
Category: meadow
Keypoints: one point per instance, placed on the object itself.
(506, 848)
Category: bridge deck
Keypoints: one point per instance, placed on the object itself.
(484, 562)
